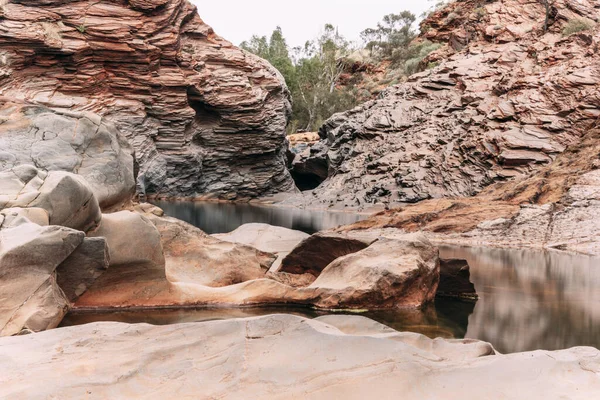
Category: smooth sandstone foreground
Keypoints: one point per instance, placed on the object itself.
(282, 357)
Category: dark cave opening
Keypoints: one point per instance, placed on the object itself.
(306, 181)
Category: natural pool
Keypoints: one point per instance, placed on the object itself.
(528, 299)
(225, 217)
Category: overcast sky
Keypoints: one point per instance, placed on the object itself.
(237, 20)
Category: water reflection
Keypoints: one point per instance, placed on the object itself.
(225, 217)
(445, 318)
(533, 299)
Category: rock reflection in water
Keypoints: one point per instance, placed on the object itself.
(226, 217)
(447, 318)
(533, 299)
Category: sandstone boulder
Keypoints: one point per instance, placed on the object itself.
(30, 298)
(194, 257)
(66, 197)
(83, 267)
(390, 273)
(268, 238)
(131, 239)
(81, 143)
(313, 254)
(348, 357)
(14, 216)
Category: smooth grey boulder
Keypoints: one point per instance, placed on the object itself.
(30, 298)
(80, 143)
(66, 197)
(131, 238)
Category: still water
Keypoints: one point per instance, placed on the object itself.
(226, 217)
(528, 299)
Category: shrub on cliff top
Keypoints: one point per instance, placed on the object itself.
(577, 25)
(416, 53)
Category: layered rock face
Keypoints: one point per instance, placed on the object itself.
(204, 117)
(557, 208)
(505, 99)
(250, 358)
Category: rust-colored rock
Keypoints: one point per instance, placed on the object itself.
(505, 100)
(557, 207)
(205, 118)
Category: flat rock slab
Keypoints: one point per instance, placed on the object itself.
(282, 357)
(272, 239)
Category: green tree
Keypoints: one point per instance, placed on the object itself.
(275, 51)
(319, 66)
(312, 74)
(391, 37)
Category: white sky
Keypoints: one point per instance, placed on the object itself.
(238, 20)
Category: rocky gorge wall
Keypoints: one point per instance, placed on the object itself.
(204, 117)
(500, 99)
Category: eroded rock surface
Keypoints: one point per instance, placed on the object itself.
(272, 239)
(30, 298)
(80, 143)
(505, 100)
(131, 238)
(204, 117)
(402, 272)
(556, 207)
(385, 274)
(249, 358)
(194, 257)
(67, 198)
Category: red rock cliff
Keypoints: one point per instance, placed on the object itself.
(501, 98)
(204, 117)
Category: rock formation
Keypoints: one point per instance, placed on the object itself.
(80, 143)
(271, 239)
(386, 274)
(46, 261)
(505, 99)
(250, 358)
(557, 208)
(195, 257)
(204, 117)
(203, 270)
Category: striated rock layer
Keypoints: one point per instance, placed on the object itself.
(282, 357)
(556, 208)
(203, 116)
(505, 99)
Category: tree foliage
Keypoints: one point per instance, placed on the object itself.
(311, 74)
(391, 36)
(314, 72)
